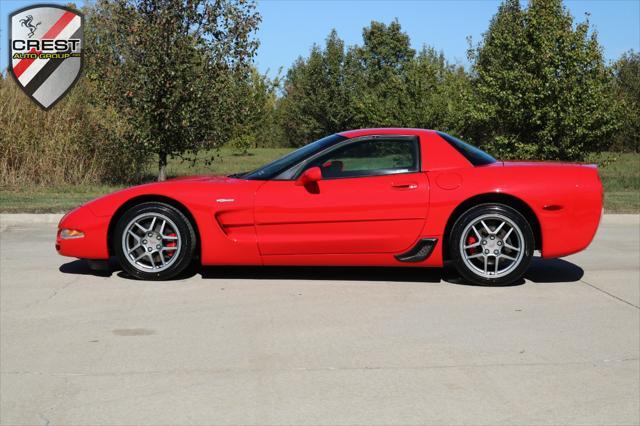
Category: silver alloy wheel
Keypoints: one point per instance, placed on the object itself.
(151, 242)
(492, 245)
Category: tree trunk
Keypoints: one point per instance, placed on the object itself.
(162, 163)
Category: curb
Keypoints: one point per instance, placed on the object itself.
(10, 219)
(621, 219)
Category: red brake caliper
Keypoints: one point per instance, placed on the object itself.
(472, 240)
(171, 243)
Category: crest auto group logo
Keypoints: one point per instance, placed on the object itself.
(46, 51)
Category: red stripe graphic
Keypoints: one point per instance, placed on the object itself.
(59, 26)
(53, 32)
(23, 64)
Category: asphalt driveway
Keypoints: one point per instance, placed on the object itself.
(315, 346)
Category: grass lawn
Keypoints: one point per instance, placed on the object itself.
(63, 198)
(620, 176)
(226, 162)
(621, 180)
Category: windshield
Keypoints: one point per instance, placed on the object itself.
(278, 166)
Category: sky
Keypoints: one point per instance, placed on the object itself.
(290, 27)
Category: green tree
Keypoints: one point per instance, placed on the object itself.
(627, 84)
(376, 75)
(541, 88)
(435, 93)
(259, 124)
(315, 98)
(381, 83)
(171, 68)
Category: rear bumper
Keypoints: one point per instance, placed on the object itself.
(572, 229)
(93, 245)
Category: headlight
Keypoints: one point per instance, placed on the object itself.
(70, 234)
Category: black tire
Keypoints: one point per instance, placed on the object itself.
(176, 258)
(474, 264)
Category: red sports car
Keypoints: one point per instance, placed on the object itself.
(374, 197)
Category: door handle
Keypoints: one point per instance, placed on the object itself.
(404, 185)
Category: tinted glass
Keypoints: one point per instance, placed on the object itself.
(276, 167)
(475, 156)
(369, 158)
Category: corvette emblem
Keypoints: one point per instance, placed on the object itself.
(46, 51)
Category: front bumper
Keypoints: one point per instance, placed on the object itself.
(93, 245)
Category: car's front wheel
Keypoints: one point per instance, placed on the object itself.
(491, 244)
(154, 241)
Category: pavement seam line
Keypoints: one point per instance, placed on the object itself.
(594, 363)
(609, 294)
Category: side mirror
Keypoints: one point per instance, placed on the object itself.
(312, 175)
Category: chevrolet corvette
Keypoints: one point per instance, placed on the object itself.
(373, 197)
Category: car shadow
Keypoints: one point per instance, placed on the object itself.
(326, 273)
(540, 271)
(84, 267)
(553, 271)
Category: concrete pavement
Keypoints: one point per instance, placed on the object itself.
(339, 346)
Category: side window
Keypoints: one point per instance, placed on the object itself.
(371, 157)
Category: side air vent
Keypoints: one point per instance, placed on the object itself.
(419, 252)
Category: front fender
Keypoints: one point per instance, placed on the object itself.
(226, 229)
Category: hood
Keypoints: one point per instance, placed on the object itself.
(186, 190)
(201, 178)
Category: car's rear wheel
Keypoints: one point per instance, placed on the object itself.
(491, 244)
(154, 241)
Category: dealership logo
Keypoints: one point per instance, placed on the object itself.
(28, 22)
(46, 51)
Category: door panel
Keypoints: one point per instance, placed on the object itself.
(376, 214)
